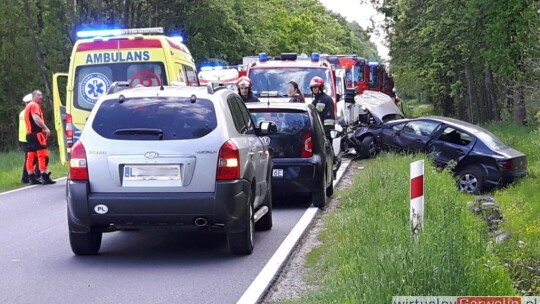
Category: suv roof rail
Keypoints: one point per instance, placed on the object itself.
(212, 87)
(118, 86)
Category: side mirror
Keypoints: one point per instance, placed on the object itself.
(267, 128)
(335, 134)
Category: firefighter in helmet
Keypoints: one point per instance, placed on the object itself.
(244, 89)
(324, 105)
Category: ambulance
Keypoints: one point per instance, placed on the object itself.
(101, 57)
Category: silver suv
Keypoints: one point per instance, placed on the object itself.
(173, 157)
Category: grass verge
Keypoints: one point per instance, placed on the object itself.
(11, 169)
(520, 204)
(368, 254)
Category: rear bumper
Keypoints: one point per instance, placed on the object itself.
(299, 176)
(224, 209)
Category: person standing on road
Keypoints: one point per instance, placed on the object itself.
(244, 90)
(324, 105)
(37, 134)
(22, 140)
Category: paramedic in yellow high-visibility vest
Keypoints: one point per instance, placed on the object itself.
(22, 140)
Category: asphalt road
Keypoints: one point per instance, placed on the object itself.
(37, 265)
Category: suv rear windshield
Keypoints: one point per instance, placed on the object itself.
(155, 118)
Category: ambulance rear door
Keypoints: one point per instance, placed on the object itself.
(59, 108)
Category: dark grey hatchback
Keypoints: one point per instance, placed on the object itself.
(302, 155)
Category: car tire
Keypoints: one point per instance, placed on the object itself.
(471, 180)
(330, 189)
(87, 243)
(319, 195)
(368, 147)
(242, 242)
(265, 222)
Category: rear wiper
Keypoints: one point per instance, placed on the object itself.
(140, 131)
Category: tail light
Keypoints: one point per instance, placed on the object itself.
(228, 162)
(69, 131)
(307, 145)
(78, 170)
(506, 165)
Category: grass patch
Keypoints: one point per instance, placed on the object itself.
(368, 254)
(412, 108)
(520, 204)
(11, 168)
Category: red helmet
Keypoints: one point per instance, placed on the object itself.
(243, 82)
(316, 82)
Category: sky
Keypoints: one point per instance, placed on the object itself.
(352, 10)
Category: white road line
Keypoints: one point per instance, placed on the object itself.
(28, 187)
(270, 271)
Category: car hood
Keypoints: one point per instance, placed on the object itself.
(378, 104)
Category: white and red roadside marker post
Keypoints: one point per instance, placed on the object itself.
(417, 197)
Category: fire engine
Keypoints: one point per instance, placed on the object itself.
(271, 75)
(100, 57)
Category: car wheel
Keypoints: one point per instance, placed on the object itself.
(265, 222)
(85, 243)
(368, 147)
(242, 242)
(319, 195)
(471, 180)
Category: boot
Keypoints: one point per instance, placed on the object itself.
(33, 179)
(46, 178)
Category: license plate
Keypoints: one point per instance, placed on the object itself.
(134, 172)
(277, 173)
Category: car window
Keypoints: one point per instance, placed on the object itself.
(398, 127)
(250, 128)
(155, 118)
(421, 127)
(287, 121)
(236, 112)
(455, 136)
(492, 141)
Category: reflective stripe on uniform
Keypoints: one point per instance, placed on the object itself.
(22, 127)
(329, 122)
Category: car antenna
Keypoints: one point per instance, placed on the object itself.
(267, 92)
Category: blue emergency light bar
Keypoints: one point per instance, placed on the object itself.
(373, 63)
(117, 32)
(263, 57)
(315, 57)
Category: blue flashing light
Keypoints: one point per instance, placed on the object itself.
(179, 39)
(373, 63)
(100, 33)
(263, 57)
(117, 32)
(303, 56)
(315, 57)
(207, 68)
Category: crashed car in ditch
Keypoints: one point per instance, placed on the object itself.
(480, 160)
